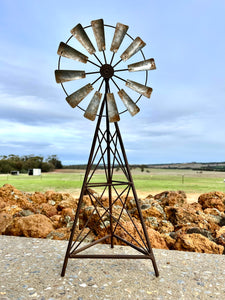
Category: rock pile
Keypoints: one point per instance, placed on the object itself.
(171, 222)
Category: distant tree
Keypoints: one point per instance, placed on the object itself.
(142, 167)
(15, 162)
(33, 162)
(5, 166)
(24, 163)
(53, 159)
(47, 167)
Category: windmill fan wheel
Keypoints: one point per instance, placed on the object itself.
(106, 69)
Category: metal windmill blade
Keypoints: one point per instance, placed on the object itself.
(112, 108)
(129, 103)
(79, 33)
(75, 98)
(134, 47)
(99, 33)
(69, 52)
(139, 88)
(93, 106)
(118, 37)
(144, 65)
(68, 75)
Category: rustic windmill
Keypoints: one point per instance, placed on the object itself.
(110, 212)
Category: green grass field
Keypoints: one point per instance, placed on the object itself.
(148, 181)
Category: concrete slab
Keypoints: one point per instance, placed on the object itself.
(30, 269)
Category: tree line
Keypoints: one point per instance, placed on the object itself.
(24, 163)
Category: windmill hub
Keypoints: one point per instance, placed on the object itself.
(106, 71)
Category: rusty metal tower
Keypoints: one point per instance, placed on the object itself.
(110, 212)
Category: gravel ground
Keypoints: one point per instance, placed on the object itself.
(30, 269)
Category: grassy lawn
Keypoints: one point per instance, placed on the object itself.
(150, 181)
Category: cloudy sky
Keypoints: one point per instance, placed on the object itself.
(182, 122)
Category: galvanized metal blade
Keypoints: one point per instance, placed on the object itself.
(134, 47)
(112, 108)
(79, 33)
(68, 75)
(144, 65)
(139, 88)
(128, 102)
(98, 29)
(92, 108)
(75, 98)
(69, 52)
(118, 37)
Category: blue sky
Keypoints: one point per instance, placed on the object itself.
(182, 122)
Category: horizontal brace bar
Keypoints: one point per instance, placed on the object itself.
(106, 184)
(123, 182)
(111, 256)
(114, 182)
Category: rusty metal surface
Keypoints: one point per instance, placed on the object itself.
(75, 98)
(134, 47)
(112, 108)
(69, 52)
(92, 108)
(68, 75)
(118, 37)
(79, 33)
(144, 65)
(139, 88)
(107, 71)
(129, 103)
(99, 33)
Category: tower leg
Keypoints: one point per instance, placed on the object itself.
(83, 189)
(136, 200)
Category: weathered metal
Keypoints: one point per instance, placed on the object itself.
(79, 33)
(112, 108)
(128, 102)
(99, 33)
(134, 47)
(107, 71)
(69, 52)
(92, 108)
(75, 98)
(144, 65)
(118, 37)
(68, 75)
(139, 88)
